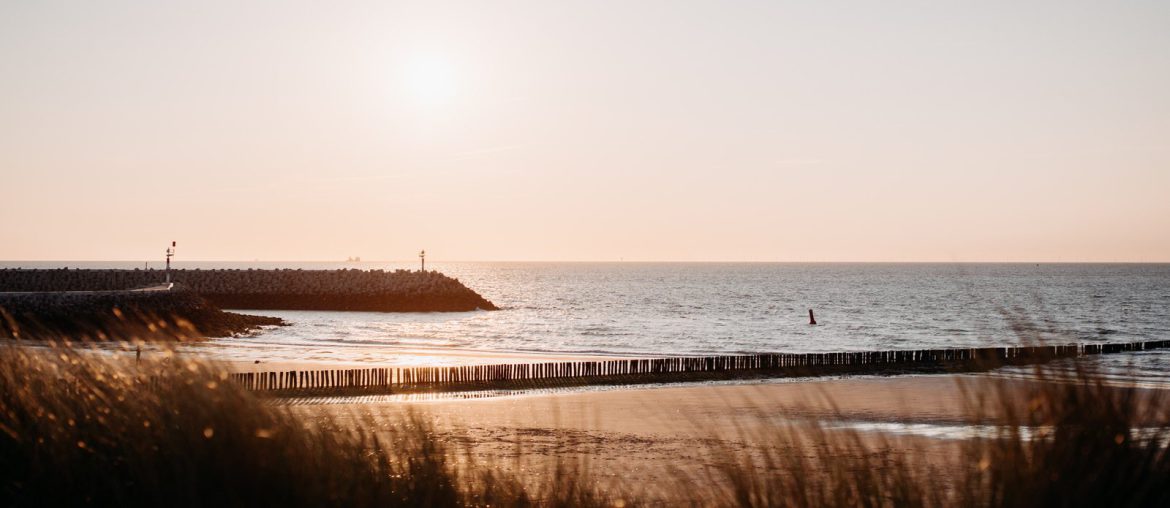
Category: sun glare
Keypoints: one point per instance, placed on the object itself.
(430, 81)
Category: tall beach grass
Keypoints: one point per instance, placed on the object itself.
(79, 428)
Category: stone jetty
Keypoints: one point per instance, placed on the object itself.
(175, 314)
(285, 289)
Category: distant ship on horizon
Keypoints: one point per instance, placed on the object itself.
(355, 259)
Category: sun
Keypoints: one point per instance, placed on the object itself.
(430, 80)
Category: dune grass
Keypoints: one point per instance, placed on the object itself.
(78, 427)
(1064, 438)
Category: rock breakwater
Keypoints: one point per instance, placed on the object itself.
(176, 314)
(286, 289)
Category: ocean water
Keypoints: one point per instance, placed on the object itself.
(661, 309)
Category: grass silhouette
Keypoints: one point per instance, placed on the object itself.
(79, 427)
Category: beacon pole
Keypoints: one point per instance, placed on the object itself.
(170, 253)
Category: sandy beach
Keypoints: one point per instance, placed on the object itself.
(646, 436)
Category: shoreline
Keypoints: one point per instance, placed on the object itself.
(404, 358)
(423, 378)
(426, 371)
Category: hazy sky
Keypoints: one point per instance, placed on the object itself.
(591, 130)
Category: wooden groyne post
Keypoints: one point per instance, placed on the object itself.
(386, 380)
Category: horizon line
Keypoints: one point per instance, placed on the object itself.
(582, 261)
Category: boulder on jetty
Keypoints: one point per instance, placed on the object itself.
(176, 314)
(285, 289)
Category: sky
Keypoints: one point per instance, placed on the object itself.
(586, 130)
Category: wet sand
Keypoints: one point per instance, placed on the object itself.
(913, 398)
(648, 437)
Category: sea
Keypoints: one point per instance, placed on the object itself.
(625, 309)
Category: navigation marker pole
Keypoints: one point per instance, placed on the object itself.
(422, 258)
(170, 253)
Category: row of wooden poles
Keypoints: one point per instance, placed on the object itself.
(391, 379)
